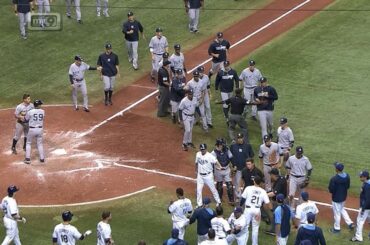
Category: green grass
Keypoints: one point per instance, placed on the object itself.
(143, 216)
(40, 65)
(320, 71)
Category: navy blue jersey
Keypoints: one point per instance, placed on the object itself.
(226, 79)
(204, 216)
(365, 195)
(23, 6)
(223, 156)
(312, 233)
(109, 63)
(195, 4)
(163, 76)
(132, 25)
(177, 90)
(267, 95)
(338, 186)
(241, 152)
(220, 48)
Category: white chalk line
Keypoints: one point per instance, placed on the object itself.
(89, 203)
(141, 86)
(190, 71)
(52, 105)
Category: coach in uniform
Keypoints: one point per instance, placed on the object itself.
(164, 82)
(265, 96)
(217, 50)
(131, 29)
(157, 46)
(22, 8)
(192, 7)
(108, 63)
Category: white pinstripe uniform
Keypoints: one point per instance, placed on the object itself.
(298, 169)
(250, 81)
(179, 209)
(265, 153)
(207, 99)
(199, 89)
(241, 223)
(303, 209)
(157, 46)
(104, 232)
(285, 136)
(221, 227)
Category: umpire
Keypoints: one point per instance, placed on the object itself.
(108, 61)
(164, 91)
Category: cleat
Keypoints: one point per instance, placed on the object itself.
(254, 118)
(14, 151)
(68, 16)
(191, 145)
(351, 226)
(79, 21)
(76, 108)
(27, 161)
(210, 125)
(272, 233)
(106, 102)
(98, 14)
(106, 14)
(354, 239)
(110, 102)
(334, 231)
(42, 160)
(86, 109)
(184, 147)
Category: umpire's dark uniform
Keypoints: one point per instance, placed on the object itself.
(164, 89)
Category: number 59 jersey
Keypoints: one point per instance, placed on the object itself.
(66, 234)
(255, 196)
(35, 118)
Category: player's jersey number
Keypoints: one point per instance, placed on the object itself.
(255, 199)
(64, 238)
(38, 117)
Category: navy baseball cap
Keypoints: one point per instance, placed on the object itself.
(177, 46)
(266, 138)
(283, 120)
(165, 55)
(304, 195)
(252, 63)
(206, 201)
(130, 13)
(280, 197)
(108, 45)
(262, 79)
(195, 73)
(179, 71)
(189, 91)
(78, 57)
(203, 147)
(274, 171)
(166, 62)
(175, 233)
(226, 63)
(240, 135)
(12, 189)
(158, 29)
(364, 173)
(339, 166)
(238, 210)
(311, 217)
(220, 34)
(200, 68)
(299, 149)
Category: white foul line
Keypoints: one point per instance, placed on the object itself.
(190, 71)
(194, 180)
(88, 203)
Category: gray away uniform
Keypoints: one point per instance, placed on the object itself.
(157, 46)
(250, 82)
(36, 123)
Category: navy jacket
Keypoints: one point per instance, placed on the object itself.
(338, 186)
(241, 152)
(312, 233)
(226, 79)
(365, 196)
(204, 216)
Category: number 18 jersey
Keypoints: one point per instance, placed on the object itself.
(66, 234)
(255, 196)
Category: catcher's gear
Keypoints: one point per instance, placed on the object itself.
(305, 183)
(37, 103)
(67, 215)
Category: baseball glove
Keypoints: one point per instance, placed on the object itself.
(305, 183)
(272, 157)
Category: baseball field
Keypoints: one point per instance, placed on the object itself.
(315, 57)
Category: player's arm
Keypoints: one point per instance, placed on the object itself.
(54, 240)
(15, 2)
(211, 51)
(218, 80)
(117, 66)
(272, 94)
(236, 79)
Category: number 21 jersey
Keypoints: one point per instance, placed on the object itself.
(255, 196)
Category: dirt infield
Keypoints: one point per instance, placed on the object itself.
(96, 166)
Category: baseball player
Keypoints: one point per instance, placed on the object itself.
(180, 211)
(67, 234)
(103, 230)
(303, 209)
(222, 174)
(35, 118)
(285, 138)
(22, 9)
(77, 7)
(270, 157)
(186, 113)
(177, 93)
(43, 8)
(174, 239)
(192, 8)
(283, 215)
(364, 211)
(157, 46)
(131, 29)
(225, 80)
(310, 233)
(199, 89)
(21, 125)
(205, 163)
(338, 187)
(212, 239)
(265, 96)
(239, 227)
(254, 197)
(108, 65)
(177, 60)
(299, 170)
(218, 51)
(11, 217)
(164, 83)
(207, 96)
(105, 8)
(76, 77)
(250, 77)
(220, 226)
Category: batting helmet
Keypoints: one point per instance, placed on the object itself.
(67, 215)
(12, 189)
(37, 103)
(177, 46)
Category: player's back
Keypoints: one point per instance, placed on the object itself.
(103, 232)
(180, 208)
(36, 118)
(255, 196)
(9, 206)
(221, 226)
(66, 234)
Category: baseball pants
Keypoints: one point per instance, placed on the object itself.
(207, 105)
(193, 19)
(282, 240)
(209, 181)
(241, 238)
(132, 53)
(181, 227)
(156, 65)
(202, 114)
(188, 122)
(253, 215)
(105, 6)
(82, 87)
(225, 96)
(202, 238)
(12, 233)
(24, 18)
(164, 101)
(266, 122)
(235, 119)
(339, 211)
(215, 67)
(222, 175)
(361, 218)
(43, 8)
(249, 95)
(19, 129)
(237, 183)
(294, 184)
(77, 7)
(35, 133)
(109, 83)
(174, 107)
(267, 177)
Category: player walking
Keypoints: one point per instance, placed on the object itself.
(157, 46)
(11, 217)
(103, 230)
(35, 118)
(239, 227)
(303, 209)
(299, 170)
(76, 77)
(186, 113)
(338, 187)
(265, 96)
(254, 197)
(105, 8)
(180, 211)
(77, 7)
(131, 29)
(108, 65)
(250, 77)
(177, 60)
(177, 93)
(192, 7)
(207, 96)
(21, 125)
(22, 8)
(221, 226)
(285, 138)
(218, 49)
(67, 234)
(282, 217)
(204, 166)
(43, 9)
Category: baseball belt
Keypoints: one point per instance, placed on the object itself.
(297, 176)
(158, 54)
(270, 165)
(78, 80)
(189, 115)
(250, 87)
(36, 127)
(204, 174)
(252, 206)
